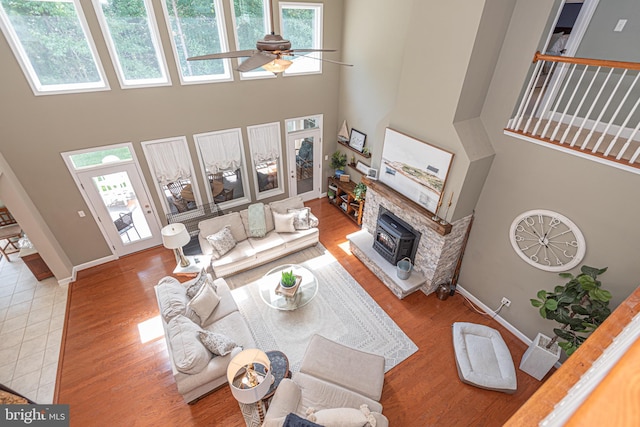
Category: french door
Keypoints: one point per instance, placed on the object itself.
(304, 154)
(121, 206)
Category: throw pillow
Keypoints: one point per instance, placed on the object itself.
(194, 285)
(189, 354)
(342, 417)
(301, 218)
(171, 297)
(222, 242)
(218, 344)
(284, 222)
(256, 220)
(313, 221)
(293, 420)
(204, 302)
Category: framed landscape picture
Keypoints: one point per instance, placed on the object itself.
(414, 168)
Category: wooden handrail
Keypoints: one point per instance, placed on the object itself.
(542, 402)
(586, 61)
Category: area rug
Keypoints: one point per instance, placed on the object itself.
(341, 311)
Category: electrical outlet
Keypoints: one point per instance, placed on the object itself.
(505, 302)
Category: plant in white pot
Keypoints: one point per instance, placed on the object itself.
(580, 306)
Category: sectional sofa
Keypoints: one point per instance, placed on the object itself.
(195, 368)
(289, 226)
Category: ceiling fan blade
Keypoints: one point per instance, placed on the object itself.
(320, 59)
(256, 61)
(311, 50)
(223, 55)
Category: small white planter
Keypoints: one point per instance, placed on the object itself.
(537, 360)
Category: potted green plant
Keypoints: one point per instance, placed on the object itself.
(360, 191)
(338, 162)
(580, 306)
(288, 279)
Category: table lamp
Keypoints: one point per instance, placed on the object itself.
(175, 236)
(249, 376)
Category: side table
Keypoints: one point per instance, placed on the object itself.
(196, 263)
(279, 370)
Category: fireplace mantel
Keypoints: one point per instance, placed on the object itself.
(406, 203)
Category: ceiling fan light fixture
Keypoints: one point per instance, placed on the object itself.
(277, 65)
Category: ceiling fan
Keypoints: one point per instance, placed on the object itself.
(268, 54)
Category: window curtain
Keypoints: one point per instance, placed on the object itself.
(221, 151)
(171, 161)
(265, 142)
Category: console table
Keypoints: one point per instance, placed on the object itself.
(35, 263)
(345, 200)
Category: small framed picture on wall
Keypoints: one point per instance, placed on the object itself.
(356, 140)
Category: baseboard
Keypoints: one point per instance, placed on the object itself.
(522, 337)
(515, 331)
(67, 280)
(90, 264)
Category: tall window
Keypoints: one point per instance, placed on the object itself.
(223, 164)
(250, 24)
(51, 41)
(301, 23)
(133, 41)
(197, 28)
(170, 165)
(266, 156)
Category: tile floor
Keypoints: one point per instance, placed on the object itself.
(31, 322)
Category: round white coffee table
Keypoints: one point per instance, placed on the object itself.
(306, 291)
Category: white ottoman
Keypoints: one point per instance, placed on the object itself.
(482, 358)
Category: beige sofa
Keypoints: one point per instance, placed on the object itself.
(195, 369)
(249, 251)
(333, 384)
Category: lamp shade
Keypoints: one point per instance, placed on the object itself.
(277, 65)
(240, 362)
(175, 236)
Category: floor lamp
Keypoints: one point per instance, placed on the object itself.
(175, 236)
(249, 376)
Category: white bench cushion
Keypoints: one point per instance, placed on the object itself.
(482, 357)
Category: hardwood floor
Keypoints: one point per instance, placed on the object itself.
(108, 377)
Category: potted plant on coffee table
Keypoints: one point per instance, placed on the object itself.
(580, 306)
(288, 279)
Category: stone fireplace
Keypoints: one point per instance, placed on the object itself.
(436, 253)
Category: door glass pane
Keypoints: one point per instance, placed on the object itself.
(304, 165)
(302, 124)
(120, 199)
(100, 157)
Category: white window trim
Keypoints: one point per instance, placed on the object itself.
(66, 157)
(243, 168)
(251, 75)
(29, 72)
(319, 8)
(190, 80)
(161, 194)
(254, 172)
(165, 80)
